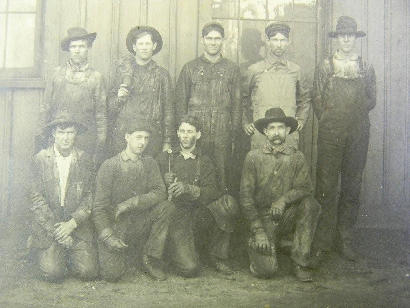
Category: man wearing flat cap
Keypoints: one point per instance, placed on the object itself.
(274, 82)
(79, 90)
(209, 88)
(129, 214)
(344, 92)
(276, 198)
(62, 236)
(142, 90)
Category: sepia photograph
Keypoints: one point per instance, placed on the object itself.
(204, 153)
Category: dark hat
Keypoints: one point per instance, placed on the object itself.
(75, 34)
(213, 26)
(64, 118)
(346, 25)
(276, 115)
(274, 28)
(132, 125)
(134, 32)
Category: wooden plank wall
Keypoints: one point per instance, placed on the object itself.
(386, 182)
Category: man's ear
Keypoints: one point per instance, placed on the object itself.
(154, 46)
(126, 136)
(288, 130)
(198, 135)
(264, 131)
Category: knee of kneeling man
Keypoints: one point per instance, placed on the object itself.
(85, 273)
(189, 270)
(310, 204)
(52, 273)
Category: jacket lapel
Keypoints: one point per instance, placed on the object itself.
(53, 176)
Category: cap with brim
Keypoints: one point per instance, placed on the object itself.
(274, 28)
(76, 34)
(64, 119)
(275, 115)
(132, 125)
(134, 32)
(346, 25)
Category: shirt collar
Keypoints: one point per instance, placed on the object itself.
(77, 68)
(282, 149)
(187, 155)
(126, 157)
(339, 56)
(203, 58)
(272, 60)
(58, 154)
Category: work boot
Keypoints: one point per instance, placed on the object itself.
(302, 273)
(221, 266)
(153, 268)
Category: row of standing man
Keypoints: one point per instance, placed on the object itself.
(183, 200)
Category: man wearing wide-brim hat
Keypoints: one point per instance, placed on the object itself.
(276, 198)
(61, 196)
(142, 90)
(80, 90)
(344, 92)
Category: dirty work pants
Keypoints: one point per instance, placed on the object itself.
(80, 260)
(300, 220)
(192, 227)
(344, 153)
(144, 232)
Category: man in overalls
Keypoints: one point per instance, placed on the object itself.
(274, 82)
(79, 90)
(344, 93)
(208, 87)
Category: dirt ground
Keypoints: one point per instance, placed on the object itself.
(381, 279)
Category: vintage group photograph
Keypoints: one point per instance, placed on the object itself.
(204, 153)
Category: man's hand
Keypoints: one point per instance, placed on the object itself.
(123, 92)
(169, 178)
(67, 242)
(166, 147)
(114, 243)
(121, 209)
(176, 189)
(261, 242)
(64, 229)
(249, 129)
(277, 209)
(301, 124)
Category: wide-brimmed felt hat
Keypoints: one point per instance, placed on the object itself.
(346, 25)
(75, 34)
(64, 118)
(134, 32)
(275, 115)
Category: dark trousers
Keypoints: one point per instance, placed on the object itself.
(344, 156)
(300, 220)
(144, 232)
(195, 229)
(81, 260)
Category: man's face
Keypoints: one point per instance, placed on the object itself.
(64, 138)
(137, 141)
(78, 51)
(212, 43)
(278, 44)
(276, 132)
(144, 47)
(188, 135)
(346, 42)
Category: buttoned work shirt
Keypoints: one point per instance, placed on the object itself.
(270, 173)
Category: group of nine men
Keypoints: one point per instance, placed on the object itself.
(166, 189)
